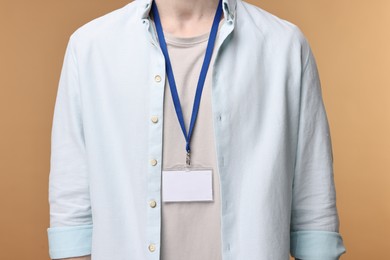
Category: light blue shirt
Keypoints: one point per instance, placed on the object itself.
(271, 130)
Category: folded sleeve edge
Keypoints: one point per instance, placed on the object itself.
(69, 241)
(316, 245)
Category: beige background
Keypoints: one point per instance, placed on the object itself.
(350, 40)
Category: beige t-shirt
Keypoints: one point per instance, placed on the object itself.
(190, 230)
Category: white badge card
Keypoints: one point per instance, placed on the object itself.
(187, 184)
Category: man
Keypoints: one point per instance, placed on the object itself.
(133, 178)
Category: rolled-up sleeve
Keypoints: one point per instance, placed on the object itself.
(70, 231)
(314, 219)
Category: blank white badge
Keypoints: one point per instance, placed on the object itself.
(182, 185)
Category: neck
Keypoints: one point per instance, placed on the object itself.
(186, 18)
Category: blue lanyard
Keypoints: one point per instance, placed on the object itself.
(202, 76)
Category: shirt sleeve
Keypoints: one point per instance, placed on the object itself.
(70, 231)
(314, 230)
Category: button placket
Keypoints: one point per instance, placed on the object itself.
(155, 155)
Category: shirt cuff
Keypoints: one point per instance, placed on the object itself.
(316, 245)
(69, 241)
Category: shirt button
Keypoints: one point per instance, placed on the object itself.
(157, 78)
(153, 162)
(152, 248)
(152, 203)
(154, 119)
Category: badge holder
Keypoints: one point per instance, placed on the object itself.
(186, 183)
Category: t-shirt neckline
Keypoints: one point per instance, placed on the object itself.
(171, 39)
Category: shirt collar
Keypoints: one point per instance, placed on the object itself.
(228, 6)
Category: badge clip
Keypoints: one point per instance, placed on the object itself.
(188, 158)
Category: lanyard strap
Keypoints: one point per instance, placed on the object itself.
(202, 76)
